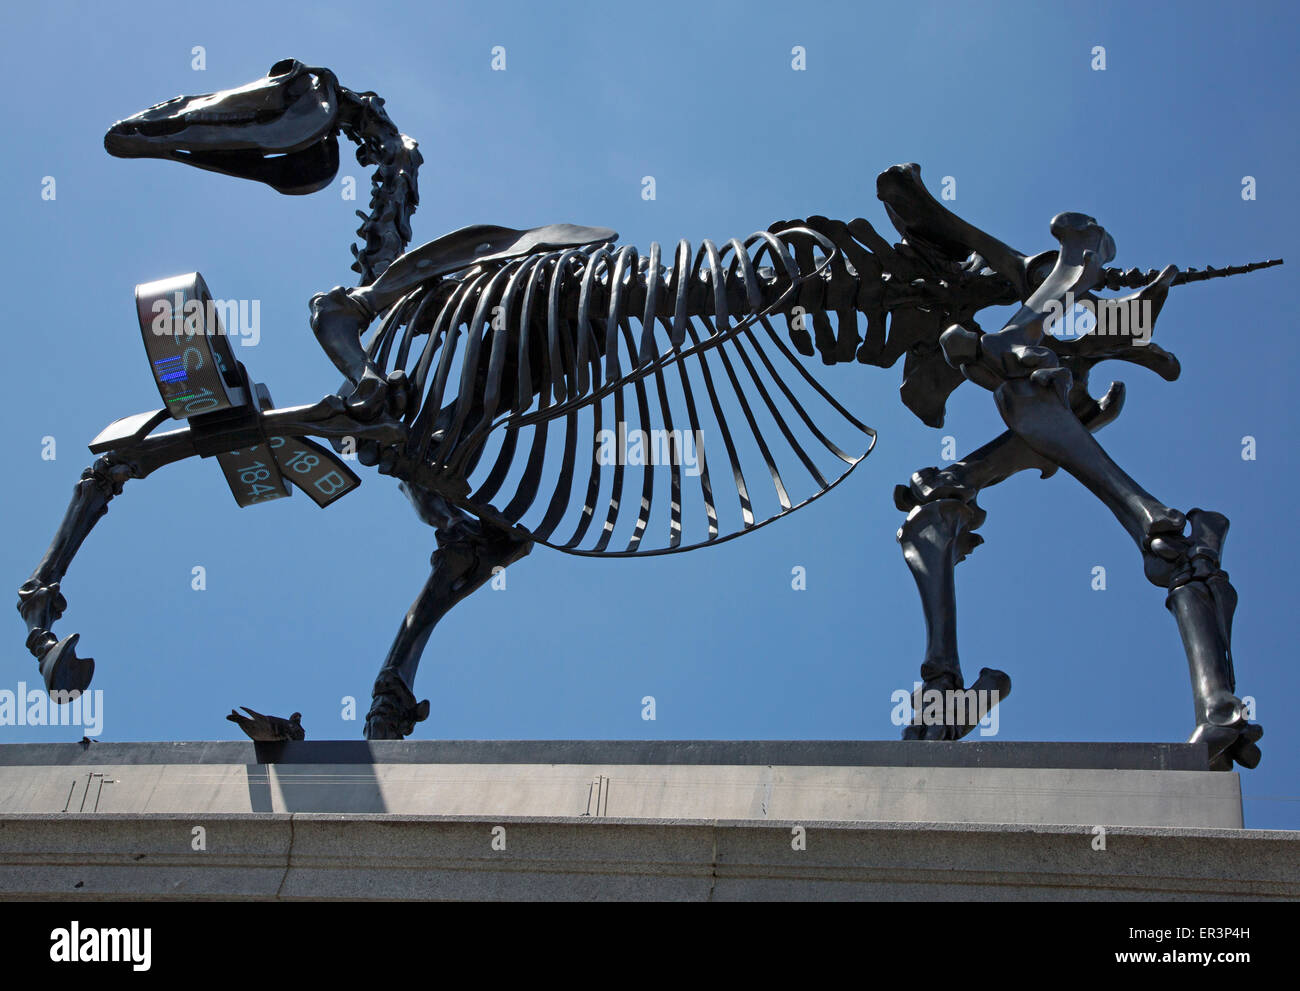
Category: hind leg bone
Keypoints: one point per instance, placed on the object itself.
(939, 532)
(1187, 564)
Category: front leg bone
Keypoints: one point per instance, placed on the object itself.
(135, 455)
(333, 418)
(468, 555)
(40, 603)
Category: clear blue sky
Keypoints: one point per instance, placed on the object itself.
(302, 604)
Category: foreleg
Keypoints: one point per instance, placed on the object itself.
(469, 551)
(40, 602)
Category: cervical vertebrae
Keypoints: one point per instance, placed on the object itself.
(393, 191)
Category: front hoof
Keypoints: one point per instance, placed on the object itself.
(393, 710)
(379, 727)
(66, 675)
(940, 733)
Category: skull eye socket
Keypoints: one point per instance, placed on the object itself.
(299, 86)
(282, 68)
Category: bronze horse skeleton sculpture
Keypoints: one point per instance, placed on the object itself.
(528, 329)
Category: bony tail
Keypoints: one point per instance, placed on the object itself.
(1136, 278)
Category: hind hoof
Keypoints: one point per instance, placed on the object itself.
(944, 711)
(1236, 743)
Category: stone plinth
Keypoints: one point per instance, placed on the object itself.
(630, 819)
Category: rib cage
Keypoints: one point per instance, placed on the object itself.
(600, 336)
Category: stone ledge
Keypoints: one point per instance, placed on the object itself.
(312, 856)
(819, 753)
(635, 791)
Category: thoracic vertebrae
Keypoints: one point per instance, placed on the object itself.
(561, 309)
(548, 334)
